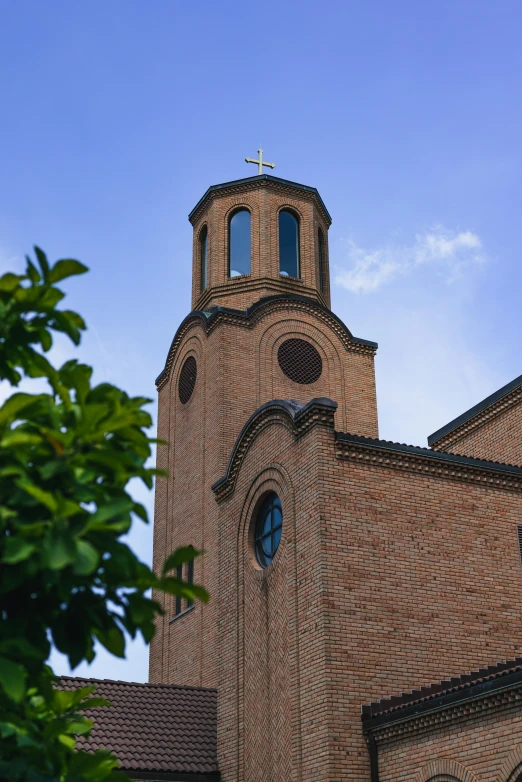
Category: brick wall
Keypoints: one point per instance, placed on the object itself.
(388, 578)
(495, 434)
(392, 572)
(483, 747)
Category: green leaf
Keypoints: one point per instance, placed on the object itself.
(59, 551)
(42, 260)
(110, 511)
(9, 281)
(87, 558)
(174, 586)
(46, 339)
(65, 268)
(67, 741)
(16, 438)
(32, 271)
(179, 557)
(45, 497)
(16, 550)
(15, 404)
(12, 679)
(141, 511)
(113, 640)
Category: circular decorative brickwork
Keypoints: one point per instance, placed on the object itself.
(300, 361)
(187, 379)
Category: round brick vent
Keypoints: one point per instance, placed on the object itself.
(300, 361)
(187, 379)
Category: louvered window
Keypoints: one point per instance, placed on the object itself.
(179, 576)
(519, 533)
(182, 605)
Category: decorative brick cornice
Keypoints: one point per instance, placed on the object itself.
(503, 399)
(294, 416)
(210, 319)
(460, 697)
(283, 186)
(427, 462)
(262, 286)
(446, 714)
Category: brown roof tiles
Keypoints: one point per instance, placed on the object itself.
(153, 727)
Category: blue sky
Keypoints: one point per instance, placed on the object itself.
(406, 116)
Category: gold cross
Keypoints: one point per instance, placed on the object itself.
(259, 162)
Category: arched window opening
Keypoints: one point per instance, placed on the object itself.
(320, 252)
(288, 244)
(203, 251)
(239, 243)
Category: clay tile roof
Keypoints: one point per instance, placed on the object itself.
(153, 727)
(461, 685)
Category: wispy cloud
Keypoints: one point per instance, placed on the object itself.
(450, 252)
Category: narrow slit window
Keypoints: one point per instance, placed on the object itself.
(239, 243)
(519, 533)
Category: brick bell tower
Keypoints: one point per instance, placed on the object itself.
(260, 329)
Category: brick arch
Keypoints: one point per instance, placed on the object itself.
(274, 477)
(254, 588)
(184, 419)
(511, 769)
(192, 346)
(445, 770)
(332, 382)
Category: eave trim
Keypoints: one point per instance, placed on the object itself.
(473, 411)
(301, 418)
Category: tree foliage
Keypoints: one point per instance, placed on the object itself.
(67, 578)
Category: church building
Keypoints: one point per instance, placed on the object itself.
(365, 620)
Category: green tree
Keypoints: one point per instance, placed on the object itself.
(66, 576)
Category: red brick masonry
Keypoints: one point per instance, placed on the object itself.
(469, 728)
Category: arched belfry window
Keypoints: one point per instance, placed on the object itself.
(288, 244)
(203, 257)
(239, 243)
(321, 261)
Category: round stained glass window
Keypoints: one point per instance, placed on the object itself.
(269, 527)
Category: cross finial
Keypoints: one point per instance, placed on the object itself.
(259, 162)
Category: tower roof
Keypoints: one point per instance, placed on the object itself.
(253, 181)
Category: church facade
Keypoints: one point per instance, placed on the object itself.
(342, 569)
(365, 595)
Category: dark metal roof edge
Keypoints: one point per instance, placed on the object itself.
(207, 316)
(173, 776)
(478, 408)
(292, 408)
(259, 178)
(438, 703)
(428, 453)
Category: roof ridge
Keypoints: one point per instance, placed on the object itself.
(134, 684)
(480, 407)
